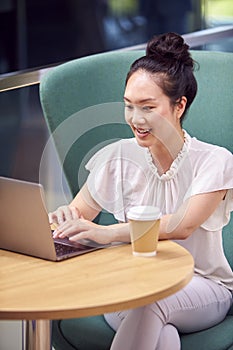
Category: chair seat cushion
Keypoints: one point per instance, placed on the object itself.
(219, 337)
(89, 333)
(93, 333)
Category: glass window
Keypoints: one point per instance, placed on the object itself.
(37, 35)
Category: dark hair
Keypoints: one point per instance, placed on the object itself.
(168, 57)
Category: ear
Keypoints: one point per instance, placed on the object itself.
(180, 106)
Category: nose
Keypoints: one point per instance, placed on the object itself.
(137, 118)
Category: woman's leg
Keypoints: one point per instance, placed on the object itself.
(201, 304)
(135, 331)
(169, 338)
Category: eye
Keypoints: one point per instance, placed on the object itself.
(147, 108)
(128, 107)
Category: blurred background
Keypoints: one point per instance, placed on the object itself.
(35, 33)
(38, 33)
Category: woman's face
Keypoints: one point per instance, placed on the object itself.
(148, 110)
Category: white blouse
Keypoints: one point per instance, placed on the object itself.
(123, 175)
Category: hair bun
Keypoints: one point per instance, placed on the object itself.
(171, 48)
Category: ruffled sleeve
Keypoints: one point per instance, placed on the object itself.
(221, 215)
(104, 180)
(215, 173)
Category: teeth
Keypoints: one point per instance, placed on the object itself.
(143, 131)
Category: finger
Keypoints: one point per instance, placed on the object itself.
(56, 233)
(75, 212)
(52, 217)
(67, 215)
(63, 214)
(60, 216)
(67, 229)
(59, 229)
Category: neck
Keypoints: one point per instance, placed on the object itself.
(166, 149)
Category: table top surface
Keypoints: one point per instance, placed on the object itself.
(101, 281)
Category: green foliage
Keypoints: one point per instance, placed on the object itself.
(123, 7)
(219, 8)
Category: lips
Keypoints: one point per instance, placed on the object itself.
(142, 132)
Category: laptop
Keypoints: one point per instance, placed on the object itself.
(24, 224)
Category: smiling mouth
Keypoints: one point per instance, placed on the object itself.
(142, 131)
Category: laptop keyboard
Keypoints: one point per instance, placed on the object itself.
(62, 249)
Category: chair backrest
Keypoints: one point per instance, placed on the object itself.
(85, 95)
(86, 90)
(210, 117)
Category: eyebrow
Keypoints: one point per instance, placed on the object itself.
(141, 101)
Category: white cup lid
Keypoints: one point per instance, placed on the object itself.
(144, 212)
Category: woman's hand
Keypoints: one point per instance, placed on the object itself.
(64, 213)
(77, 229)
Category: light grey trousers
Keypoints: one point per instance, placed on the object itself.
(201, 304)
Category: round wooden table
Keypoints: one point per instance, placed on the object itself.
(98, 282)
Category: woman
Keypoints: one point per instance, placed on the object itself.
(189, 180)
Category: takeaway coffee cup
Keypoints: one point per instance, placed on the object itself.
(144, 229)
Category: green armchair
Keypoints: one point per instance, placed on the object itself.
(75, 87)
